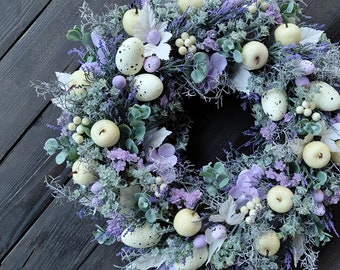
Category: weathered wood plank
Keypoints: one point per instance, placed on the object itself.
(60, 241)
(42, 47)
(15, 17)
(23, 193)
(325, 13)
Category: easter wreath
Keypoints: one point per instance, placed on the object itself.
(124, 132)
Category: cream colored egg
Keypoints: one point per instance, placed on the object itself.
(80, 78)
(130, 56)
(274, 103)
(195, 261)
(327, 99)
(140, 237)
(149, 87)
(335, 156)
(184, 4)
(81, 172)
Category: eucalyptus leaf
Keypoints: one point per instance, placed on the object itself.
(151, 216)
(197, 76)
(139, 132)
(74, 34)
(87, 40)
(51, 146)
(237, 55)
(131, 146)
(223, 183)
(72, 154)
(200, 57)
(64, 141)
(212, 190)
(61, 157)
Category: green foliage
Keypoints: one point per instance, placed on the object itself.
(68, 149)
(216, 177)
(230, 49)
(196, 68)
(79, 34)
(133, 134)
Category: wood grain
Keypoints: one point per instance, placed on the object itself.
(15, 17)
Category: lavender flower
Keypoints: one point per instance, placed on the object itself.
(268, 131)
(114, 225)
(177, 196)
(120, 158)
(273, 11)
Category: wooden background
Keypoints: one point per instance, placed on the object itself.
(35, 231)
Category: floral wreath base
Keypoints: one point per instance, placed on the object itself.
(124, 132)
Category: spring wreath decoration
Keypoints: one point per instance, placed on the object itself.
(123, 131)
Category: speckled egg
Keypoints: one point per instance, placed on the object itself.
(140, 237)
(130, 56)
(219, 231)
(198, 258)
(149, 87)
(307, 67)
(152, 64)
(327, 99)
(274, 103)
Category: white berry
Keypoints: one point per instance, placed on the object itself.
(305, 104)
(77, 120)
(299, 109)
(80, 129)
(79, 139)
(182, 50)
(179, 42)
(307, 112)
(71, 126)
(192, 49)
(85, 121)
(244, 210)
(184, 35)
(316, 116)
(250, 205)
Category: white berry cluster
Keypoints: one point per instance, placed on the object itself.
(251, 209)
(306, 108)
(186, 44)
(159, 187)
(258, 5)
(78, 125)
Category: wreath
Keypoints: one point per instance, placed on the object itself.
(124, 132)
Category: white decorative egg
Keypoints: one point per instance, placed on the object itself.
(195, 261)
(327, 99)
(149, 87)
(130, 56)
(140, 237)
(274, 103)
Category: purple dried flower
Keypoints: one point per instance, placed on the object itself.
(246, 183)
(114, 225)
(96, 187)
(177, 196)
(120, 158)
(280, 165)
(274, 11)
(268, 131)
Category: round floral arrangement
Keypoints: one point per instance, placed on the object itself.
(124, 132)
